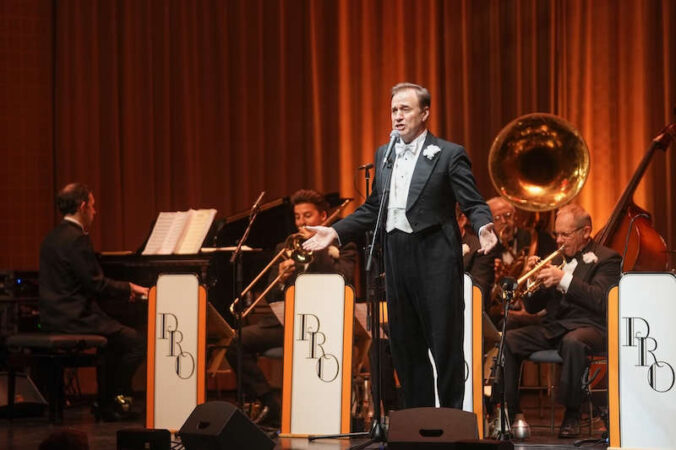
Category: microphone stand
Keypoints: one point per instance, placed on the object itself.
(509, 284)
(236, 261)
(376, 432)
(374, 294)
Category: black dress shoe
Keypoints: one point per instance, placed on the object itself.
(118, 410)
(268, 417)
(570, 428)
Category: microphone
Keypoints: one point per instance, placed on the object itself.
(257, 204)
(508, 284)
(394, 135)
(365, 166)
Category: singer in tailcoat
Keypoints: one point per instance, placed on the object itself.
(424, 267)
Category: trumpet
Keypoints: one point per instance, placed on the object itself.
(293, 249)
(536, 284)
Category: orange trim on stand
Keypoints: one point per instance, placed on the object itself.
(201, 344)
(477, 358)
(289, 306)
(614, 366)
(348, 333)
(150, 359)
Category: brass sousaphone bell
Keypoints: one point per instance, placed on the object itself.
(538, 162)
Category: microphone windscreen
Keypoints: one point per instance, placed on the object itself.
(508, 284)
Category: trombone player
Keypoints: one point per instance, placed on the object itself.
(575, 322)
(309, 208)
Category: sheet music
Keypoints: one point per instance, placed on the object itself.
(278, 310)
(166, 232)
(199, 222)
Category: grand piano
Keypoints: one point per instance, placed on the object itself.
(273, 224)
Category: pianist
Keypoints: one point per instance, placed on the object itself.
(309, 208)
(72, 283)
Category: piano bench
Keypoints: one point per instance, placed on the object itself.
(56, 351)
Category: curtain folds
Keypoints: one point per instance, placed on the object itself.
(166, 104)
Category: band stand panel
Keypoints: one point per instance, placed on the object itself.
(473, 351)
(642, 361)
(176, 350)
(319, 315)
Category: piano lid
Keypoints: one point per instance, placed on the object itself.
(273, 224)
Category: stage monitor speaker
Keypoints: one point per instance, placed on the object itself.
(436, 428)
(143, 439)
(28, 401)
(218, 425)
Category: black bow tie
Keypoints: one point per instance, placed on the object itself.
(575, 256)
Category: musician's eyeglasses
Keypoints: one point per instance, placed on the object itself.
(567, 234)
(506, 216)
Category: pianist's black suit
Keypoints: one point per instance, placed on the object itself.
(71, 283)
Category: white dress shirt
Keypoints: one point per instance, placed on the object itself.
(567, 277)
(406, 157)
(75, 221)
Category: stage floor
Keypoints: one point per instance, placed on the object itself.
(27, 433)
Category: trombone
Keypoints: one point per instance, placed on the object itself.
(293, 249)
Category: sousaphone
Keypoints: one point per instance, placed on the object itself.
(538, 162)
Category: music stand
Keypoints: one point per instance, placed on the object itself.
(236, 261)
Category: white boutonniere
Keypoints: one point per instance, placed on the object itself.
(334, 252)
(430, 151)
(590, 257)
(465, 249)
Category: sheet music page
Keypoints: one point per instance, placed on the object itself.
(196, 229)
(166, 232)
(278, 310)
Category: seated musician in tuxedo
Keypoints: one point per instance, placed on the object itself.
(575, 298)
(72, 284)
(309, 208)
(513, 248)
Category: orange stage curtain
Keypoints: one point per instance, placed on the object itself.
(164, 105)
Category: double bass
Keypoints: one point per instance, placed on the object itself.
(629, 230)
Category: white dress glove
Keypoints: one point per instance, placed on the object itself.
(323, 237)
(487, 238)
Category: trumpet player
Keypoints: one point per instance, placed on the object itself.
(575, 320)
(309, 208)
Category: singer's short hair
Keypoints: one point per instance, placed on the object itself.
(424, 97)
(69, 199)
(581, 217)
(310, 196)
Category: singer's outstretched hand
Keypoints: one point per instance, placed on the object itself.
(487, 239)
(323, 237)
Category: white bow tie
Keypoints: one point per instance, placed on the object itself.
(400, 148)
